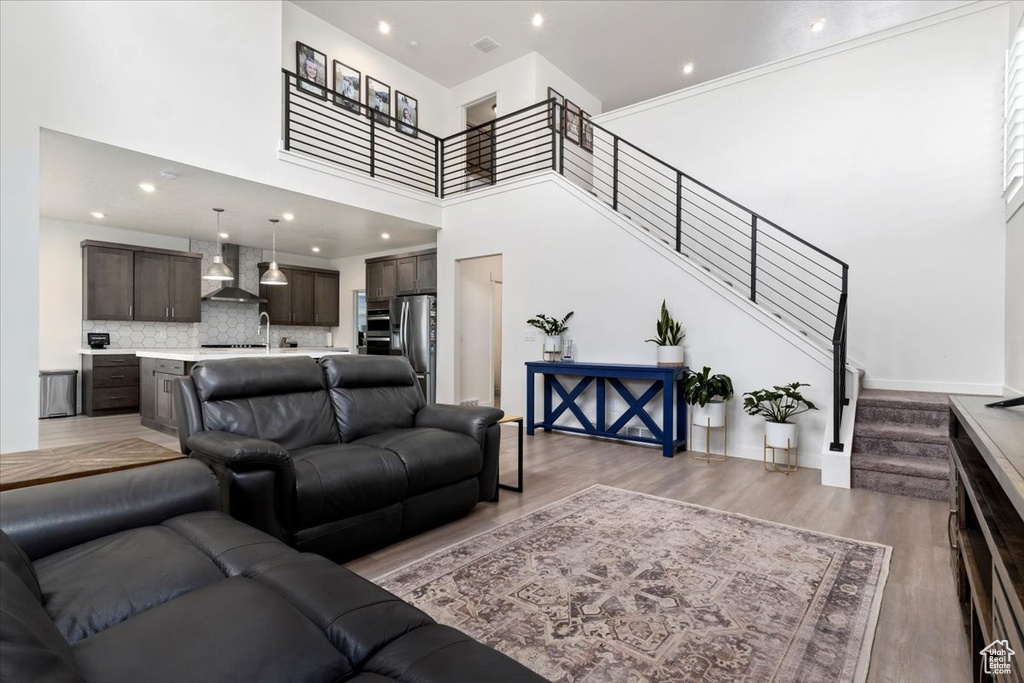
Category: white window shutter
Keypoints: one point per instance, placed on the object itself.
(1013, 119)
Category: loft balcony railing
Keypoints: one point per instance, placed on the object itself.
(776, 269)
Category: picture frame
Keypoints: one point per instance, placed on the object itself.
(378, 100)
(311, 70)
(555, 113)
(572, 122)
(348, 84)
(407, 114)
(586, 132)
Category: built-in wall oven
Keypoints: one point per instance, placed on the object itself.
(378, 328)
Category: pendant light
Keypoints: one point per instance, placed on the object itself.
(274, 276)
(217, 269)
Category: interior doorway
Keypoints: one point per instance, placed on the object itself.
(480, 141)
(478, 324)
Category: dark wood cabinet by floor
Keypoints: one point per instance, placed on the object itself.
(125, 282)
(157, 387)
(108, 277)
(310, 298)
(401, 275)
(110, 384)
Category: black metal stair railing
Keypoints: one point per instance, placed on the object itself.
(779, 271)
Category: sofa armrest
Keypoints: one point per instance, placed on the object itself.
(470, 420)
(234, 450)
(51, 517)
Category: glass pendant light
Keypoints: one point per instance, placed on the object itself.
(217, 269)
(274, 276)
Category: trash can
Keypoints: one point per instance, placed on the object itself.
(58, 393)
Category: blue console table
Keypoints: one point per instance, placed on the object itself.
(664, 380)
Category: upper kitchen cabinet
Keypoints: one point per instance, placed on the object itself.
(108, 282)
(310, 298)
(125, 282)
(401, 275)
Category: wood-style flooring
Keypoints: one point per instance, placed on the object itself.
(919, 635)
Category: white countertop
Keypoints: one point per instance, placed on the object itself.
(192, 354)
(108, 352)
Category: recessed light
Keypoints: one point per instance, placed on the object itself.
(688, 68)
(385, 236)
(316, 250)
(288, 216)
(96, 214)
(147, 187)
(224, 235)
(538, 20)
(384, 27)
(167, 175)
(817, 25)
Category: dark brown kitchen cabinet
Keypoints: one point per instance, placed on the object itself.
(310, 298)
(125, 282)
(108, 276)
(401, 275)
(326, 291)
(110, 384)
(157, 387)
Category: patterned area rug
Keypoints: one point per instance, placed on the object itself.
(611, 586)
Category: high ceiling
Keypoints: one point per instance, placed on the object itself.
(622, 52)
(79, 176)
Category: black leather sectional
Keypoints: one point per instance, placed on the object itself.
(337, 456)
(136, 576)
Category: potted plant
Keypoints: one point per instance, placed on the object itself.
(778, 405)
(707, 395)
(669, 339)
(552, 329)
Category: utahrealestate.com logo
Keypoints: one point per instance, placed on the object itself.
(997, 657)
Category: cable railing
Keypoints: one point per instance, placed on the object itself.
(779, 271)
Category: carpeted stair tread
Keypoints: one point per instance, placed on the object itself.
(900, 484)
(925, 468)
(901, 432)
(913, 400)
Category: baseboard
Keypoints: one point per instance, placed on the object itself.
(812, 461)
(934, 386)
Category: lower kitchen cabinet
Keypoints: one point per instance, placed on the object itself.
(110, 384)
(157, 386)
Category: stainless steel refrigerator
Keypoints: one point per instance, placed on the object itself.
(414, 335)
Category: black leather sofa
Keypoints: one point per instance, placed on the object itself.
(338, 456)
(136, 576)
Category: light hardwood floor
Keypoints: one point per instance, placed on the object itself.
(919, 636)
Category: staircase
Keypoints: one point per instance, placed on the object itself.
(900, 443)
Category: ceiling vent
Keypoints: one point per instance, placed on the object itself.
(486, 44)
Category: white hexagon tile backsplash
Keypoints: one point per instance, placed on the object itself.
(223, 322)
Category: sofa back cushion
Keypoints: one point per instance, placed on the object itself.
(31, 647)
(15, 559)
(371, 394)
(283, 400)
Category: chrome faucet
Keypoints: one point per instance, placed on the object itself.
(260, 328)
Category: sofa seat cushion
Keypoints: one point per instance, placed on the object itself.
(335, 481)
(93, 586)
(234, 630)
(432, 457)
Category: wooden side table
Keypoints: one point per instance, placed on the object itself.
(518, 488)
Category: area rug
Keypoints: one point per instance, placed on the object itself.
(611, 586)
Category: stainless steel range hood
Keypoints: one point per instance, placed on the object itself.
(232, 293)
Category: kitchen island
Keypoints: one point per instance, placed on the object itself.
(192, 355)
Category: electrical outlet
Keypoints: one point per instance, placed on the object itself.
(530, 336)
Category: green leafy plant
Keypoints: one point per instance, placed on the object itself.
(700, 388)
(670, 332)
(778, 404)
(550, 326)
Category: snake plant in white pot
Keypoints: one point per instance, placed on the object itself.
(553, 328)
(778, 406)
(669, 339)
(707, 395)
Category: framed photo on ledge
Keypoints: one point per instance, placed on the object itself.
(572, 122)
(407, 111)
(556, 110)
(348, 83)
(311, 69)
(586, 132)
(378, 99)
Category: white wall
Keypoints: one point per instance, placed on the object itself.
(548, 75)
(884, 152)
(560, 253)
(1014, 382)
(474, 310)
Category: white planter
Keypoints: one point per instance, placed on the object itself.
(670, 355)
(711, 415)
(780, 434)
(553, 347)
